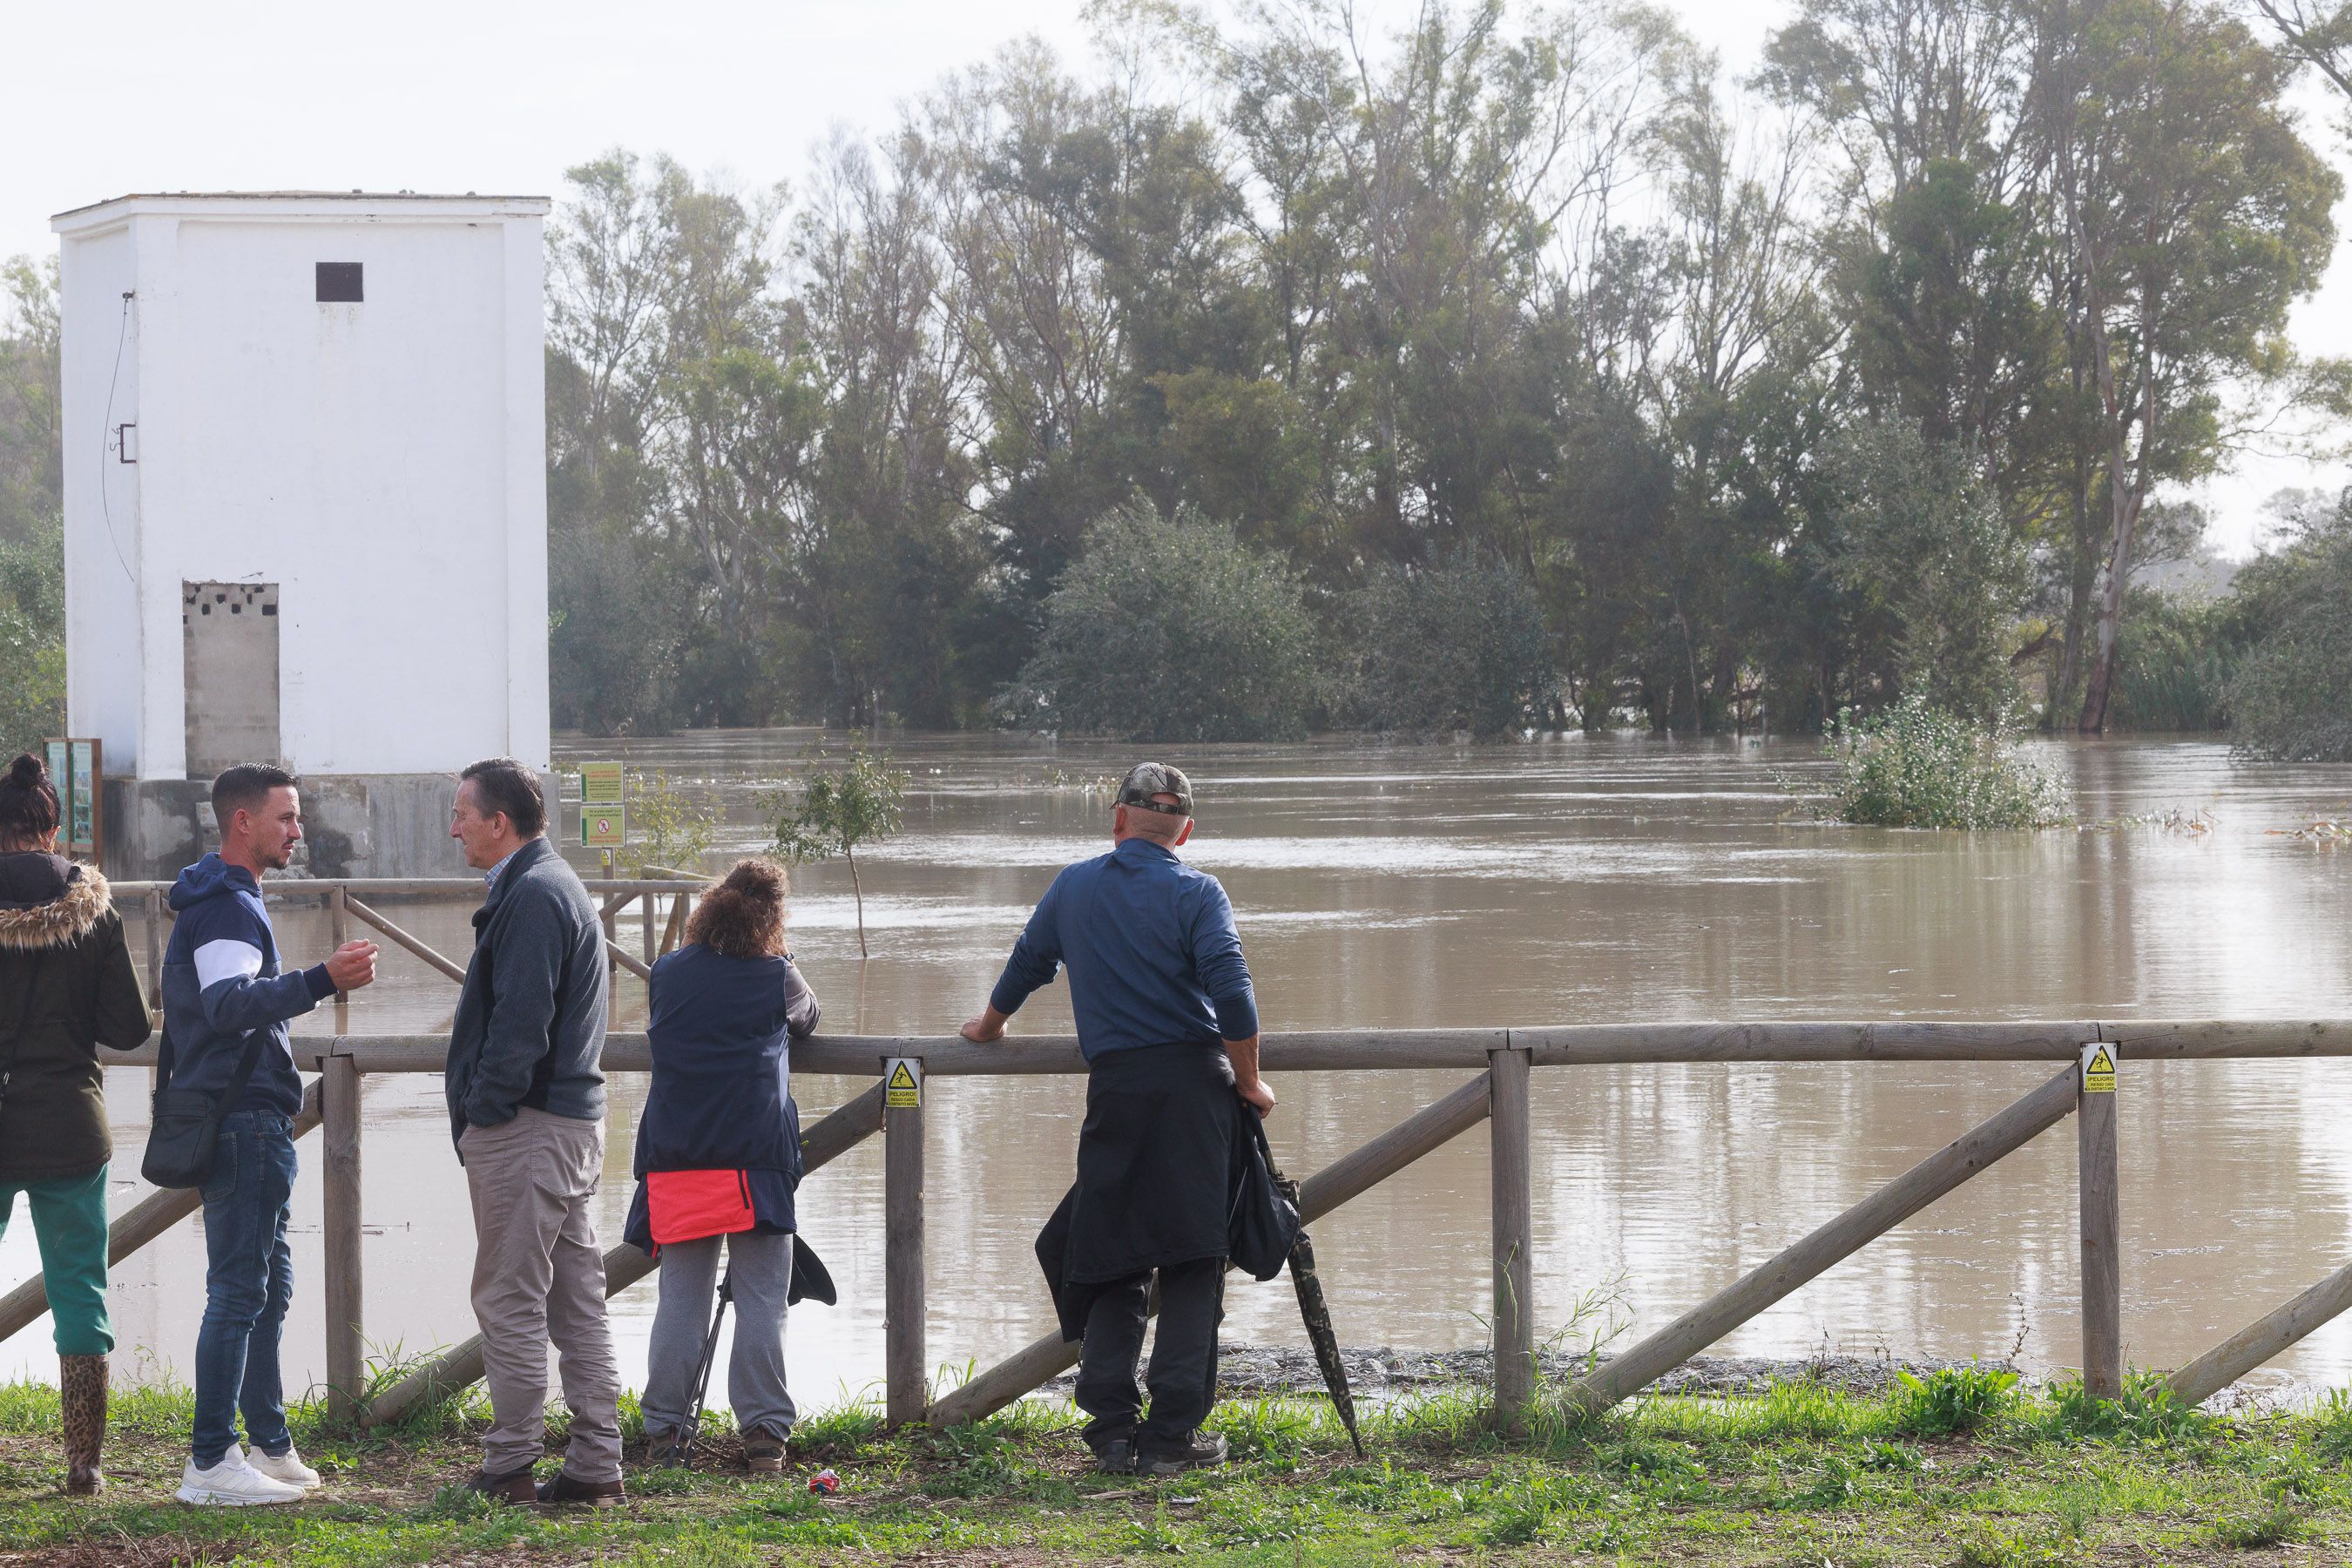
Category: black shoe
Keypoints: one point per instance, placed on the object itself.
(515, 1489)
(1116, 1457)
(1197, 1451)
(564, 1488)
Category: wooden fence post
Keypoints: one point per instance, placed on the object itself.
(155, 953)
(1514, 1217)
(905, 1361)
(338, 929)
(650, 938)
(346, 1338)
(2101, 1224)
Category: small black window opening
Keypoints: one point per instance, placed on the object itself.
(338, 284)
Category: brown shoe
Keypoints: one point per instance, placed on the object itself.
(82, 1387)
(516, 1487)
(763, 1454)
(566, 1487)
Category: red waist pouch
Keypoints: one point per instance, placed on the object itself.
(686, 1205)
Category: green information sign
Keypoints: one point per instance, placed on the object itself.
(604, 827)
(77, 770)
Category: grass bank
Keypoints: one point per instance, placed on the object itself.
(1959, 1469)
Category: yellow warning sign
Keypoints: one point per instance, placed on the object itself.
(600, 783)
(2098, 1069)
(902, 1083)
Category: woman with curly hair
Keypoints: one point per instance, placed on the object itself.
(65, 989)
(719, 1156)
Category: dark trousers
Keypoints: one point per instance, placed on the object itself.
(1183, 1375)
(249, 1279)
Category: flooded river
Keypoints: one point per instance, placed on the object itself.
(1571, 881)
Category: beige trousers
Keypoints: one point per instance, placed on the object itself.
(539, 1276)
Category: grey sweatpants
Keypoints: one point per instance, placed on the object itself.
(760, 1269)
(539, 1276)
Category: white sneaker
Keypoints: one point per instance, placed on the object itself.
(286, 1466)
(232, 1483)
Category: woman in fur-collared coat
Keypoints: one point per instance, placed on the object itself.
(65, 987)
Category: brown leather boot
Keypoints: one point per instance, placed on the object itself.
(81, 1384)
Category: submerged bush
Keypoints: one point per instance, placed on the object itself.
(2291, 700)
(1914, 766)
(1463, 647)
(2174, 661)
(1170, 629)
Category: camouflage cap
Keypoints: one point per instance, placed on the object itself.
(1147, 779)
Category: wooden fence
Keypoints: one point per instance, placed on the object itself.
(1499, 1092)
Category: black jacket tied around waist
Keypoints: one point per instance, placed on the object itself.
(1160, 1158)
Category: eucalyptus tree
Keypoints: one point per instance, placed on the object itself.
(2194, 213)
(886, 558)
(32, 451)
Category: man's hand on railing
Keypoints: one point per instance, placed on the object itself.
(988, 1027)
(352, 965)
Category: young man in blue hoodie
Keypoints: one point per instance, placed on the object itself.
(224, 997)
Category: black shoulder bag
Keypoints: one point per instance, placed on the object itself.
(1264, 1223)
(185, 1126)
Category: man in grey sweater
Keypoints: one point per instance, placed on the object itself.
(526, 1094)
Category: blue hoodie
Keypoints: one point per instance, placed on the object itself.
(222, 987)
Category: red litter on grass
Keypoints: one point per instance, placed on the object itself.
(824, 1482)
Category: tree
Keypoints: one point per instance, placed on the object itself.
(2290, 698)
(1458, 647)
(1171, 629)
(32, 638)
(863, 801)
(2194, 213)
(1938, 574)
(32, 456)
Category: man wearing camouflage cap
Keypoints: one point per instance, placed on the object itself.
(1169, 1025)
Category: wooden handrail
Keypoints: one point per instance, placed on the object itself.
(455, 887)
(1359, 1051)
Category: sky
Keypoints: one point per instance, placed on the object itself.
(501, 96)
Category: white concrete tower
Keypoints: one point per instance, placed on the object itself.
(306, 508)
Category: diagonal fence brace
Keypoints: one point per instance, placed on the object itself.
(830, 1138)
(1897, 1201)
(1348, 1177)
(2263, 1339)
(147, 1220)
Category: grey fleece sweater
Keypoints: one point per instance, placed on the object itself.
(529, 1030)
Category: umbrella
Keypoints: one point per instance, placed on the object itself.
(681, 1447)
(1312, 1306)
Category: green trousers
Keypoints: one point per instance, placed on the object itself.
(69, 1225)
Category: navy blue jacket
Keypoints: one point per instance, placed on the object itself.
(721, 1034)
(222, 987)
(1153, 956)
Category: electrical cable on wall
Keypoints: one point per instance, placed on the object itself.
(105, 431)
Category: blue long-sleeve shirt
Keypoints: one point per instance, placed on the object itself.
(1152, 950)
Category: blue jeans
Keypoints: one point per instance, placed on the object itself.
(249, 1279)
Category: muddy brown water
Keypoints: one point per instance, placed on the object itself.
(1569, 880)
